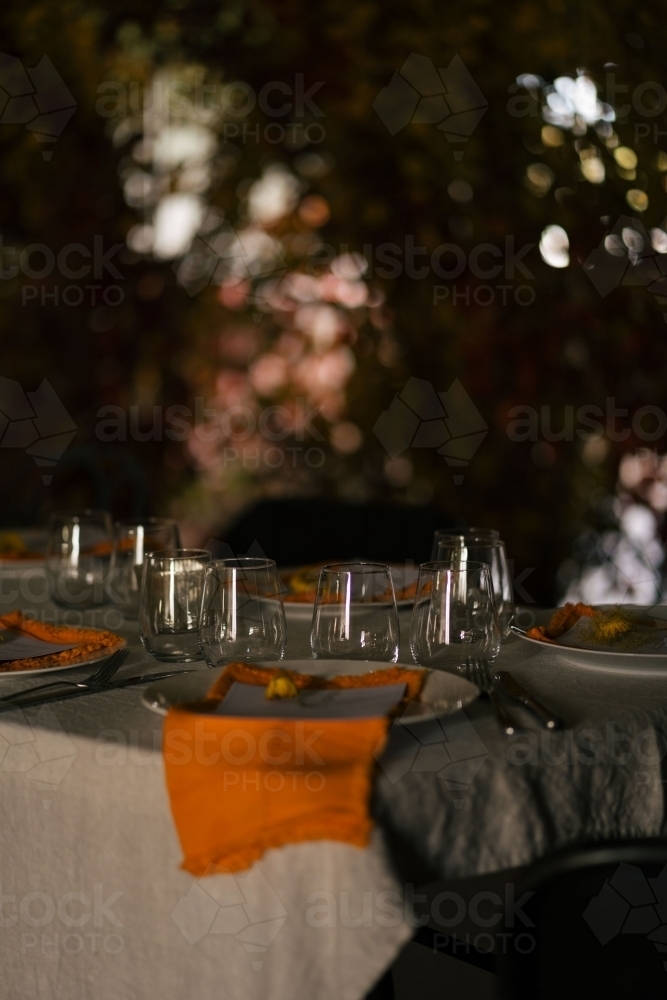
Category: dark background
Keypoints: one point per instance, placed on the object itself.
(161, 346)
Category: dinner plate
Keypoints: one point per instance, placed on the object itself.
(95, 656)
(402, 576)
(442, 692)
(570, 648)
(34, 539)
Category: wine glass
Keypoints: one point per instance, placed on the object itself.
(465, 547)
(172, 588)
(355, 615)
(445, 533)
(78, 557)
(135, 538)
(242, 613)
(454, 617)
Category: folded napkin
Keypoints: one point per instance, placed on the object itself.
(239, 786)
(87, 641)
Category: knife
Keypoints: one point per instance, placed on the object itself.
(41, 697)
(511, 686)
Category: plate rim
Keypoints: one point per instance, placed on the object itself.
(400, 720)
(35, 672)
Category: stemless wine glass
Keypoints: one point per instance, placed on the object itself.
(78, 557)
(172, 588)
(444, 533)
(242, 613)
(135, 538)
(463, 548)
(355, 614)
(454, 618)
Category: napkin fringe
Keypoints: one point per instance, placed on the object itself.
(87, 640)
(229, 861)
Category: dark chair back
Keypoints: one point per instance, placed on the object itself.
(301, 531)
(599, 918)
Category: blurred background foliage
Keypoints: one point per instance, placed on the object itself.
(249, 263)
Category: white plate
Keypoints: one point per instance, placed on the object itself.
(35, 540)
(442, 692)
(630, 663)
(294, 611)
(94, 657)
(402, 576)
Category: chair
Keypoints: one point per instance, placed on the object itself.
(594, 924)
(600, 926)
(301, 531)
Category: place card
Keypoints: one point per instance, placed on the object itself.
(250, 701)
(17, 646)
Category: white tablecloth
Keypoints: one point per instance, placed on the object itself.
(93, 904)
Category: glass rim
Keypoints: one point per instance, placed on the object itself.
(471, 540)
(173, 555)
(87, 513)
(356, 567)
(434, 566)
(243, 562)
(444, 532)
(137, 522)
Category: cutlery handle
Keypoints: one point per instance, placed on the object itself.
(505, 720)
(40, 687)
(547, 718)
(26, 698)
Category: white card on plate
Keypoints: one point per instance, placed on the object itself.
(17, 646)
(250, 701)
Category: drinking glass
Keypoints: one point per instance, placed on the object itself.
(478, 548)
(454, 618)
(355, 614)
(444, 533)
(133, 540)
(172, 588)
(242, 614)
(78, 557)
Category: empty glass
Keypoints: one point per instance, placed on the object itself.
(355, 614)
(478, 548)
(172, 588)
(78, 557)
(242, 614)
(454, 617)
(444, 533)
(133, 540)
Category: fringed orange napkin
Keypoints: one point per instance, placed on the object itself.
(561, 620)
(239, 786)
(87, 641)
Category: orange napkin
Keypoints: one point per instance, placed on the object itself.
(88, 641)
(241, 786)
(561, 620)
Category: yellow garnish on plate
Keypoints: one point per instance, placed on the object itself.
(11, 543)
(615, 627)
(281, 686)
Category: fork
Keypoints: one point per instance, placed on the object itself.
(100, 676)
(477, 672)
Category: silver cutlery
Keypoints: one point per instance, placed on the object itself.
(35, 697)
(102, 675)
(511, 686)
(477, 672)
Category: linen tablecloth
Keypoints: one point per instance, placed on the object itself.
(93, 903)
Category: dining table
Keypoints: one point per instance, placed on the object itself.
(94, 903)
